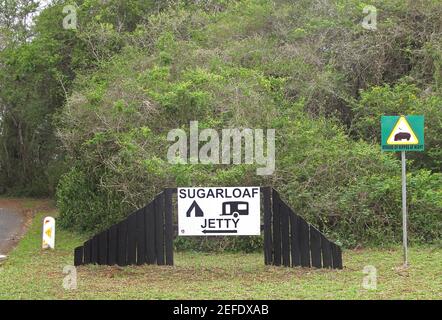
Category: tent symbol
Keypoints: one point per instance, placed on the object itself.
(195, 207)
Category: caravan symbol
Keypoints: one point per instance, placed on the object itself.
(235, 208)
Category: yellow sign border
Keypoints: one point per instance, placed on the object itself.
(409, 129)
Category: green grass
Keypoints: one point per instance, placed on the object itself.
(31, 273)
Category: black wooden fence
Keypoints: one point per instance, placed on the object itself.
(146, 237)
(290, 241)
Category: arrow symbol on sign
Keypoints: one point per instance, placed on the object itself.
(220, 231)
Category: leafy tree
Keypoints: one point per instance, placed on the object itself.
(250, 64)
(37, 66)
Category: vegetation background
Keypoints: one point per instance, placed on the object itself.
(84, 113)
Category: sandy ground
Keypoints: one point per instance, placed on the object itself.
(15, 217)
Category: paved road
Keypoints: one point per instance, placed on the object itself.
(11, 222)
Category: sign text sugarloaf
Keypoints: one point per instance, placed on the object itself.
(218, 193)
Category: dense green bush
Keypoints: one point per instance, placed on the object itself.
(299, 67)
(372, 209)
(402, 99)
(84, 206)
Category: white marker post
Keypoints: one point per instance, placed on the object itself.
(48, 233)
(404, 207)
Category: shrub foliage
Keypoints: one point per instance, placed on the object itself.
(305, 68)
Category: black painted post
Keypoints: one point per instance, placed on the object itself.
(132, 239)
(159, 228)
(150, 233)
(113, 248)
(122, 243)
(141, 237)
(304, 241)
(102, 248)
(315, 247)
(326, 252)
(285, 236)
(276, 229)
(78, 256)
(168, 228)
(94, 250)
(336, 256)
(294, 237)
(87, 252)
(267, 226)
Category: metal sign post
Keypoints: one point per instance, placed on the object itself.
(403, 133)
(404, 208)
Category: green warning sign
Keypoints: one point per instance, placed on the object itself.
(402, 133)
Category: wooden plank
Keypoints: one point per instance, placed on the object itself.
(304, 242)
(113, 247)
(285, 235)
(122, 243)
(132, 239)
(294, 237)
(102, 248)
(268, 259)
(339, 264)
(276, 229)
(141, 237)
(159, 228)
(326, 252)
(94, 250)
(87, 252)
(315, 247)
(78, 256)
(336, 256)
(168, 228)
(149, 220)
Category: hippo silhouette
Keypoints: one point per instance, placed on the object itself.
(401, 136)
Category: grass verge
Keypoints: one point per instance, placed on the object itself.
(30, 273)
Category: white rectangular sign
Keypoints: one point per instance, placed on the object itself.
(219, 211)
